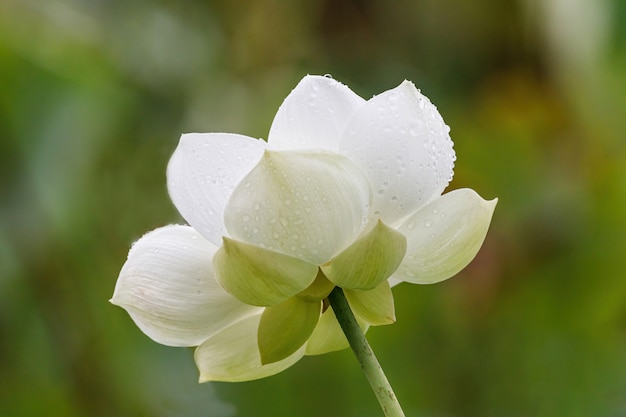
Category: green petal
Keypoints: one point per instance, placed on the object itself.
(317, 291)
(284, 328)
(259, 276)
(370, 260)
(373, 306)
(444, 236)
(232, 355)
(328, 336)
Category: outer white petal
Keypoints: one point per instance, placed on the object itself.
(202, 174)
(444, 236)
(400, 141)
(309, 205)
(168, 288)
(314, 115)
(233, 355)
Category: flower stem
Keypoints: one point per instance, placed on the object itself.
(362, 350)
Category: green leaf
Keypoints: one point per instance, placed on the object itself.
(259, 276)
(373, 306)
(370, 260)
(284, 328)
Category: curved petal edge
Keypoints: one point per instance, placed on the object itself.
(444, 236)
(168, 287)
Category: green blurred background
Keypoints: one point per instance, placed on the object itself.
(94, 95)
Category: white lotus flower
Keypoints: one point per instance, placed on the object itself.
(345, 192)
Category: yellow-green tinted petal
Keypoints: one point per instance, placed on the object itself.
(328, 336)
(232, 355)
(317, 291)
(284, 328)
(259, 276)
(370, 260)
(444, 236)
(373, 306)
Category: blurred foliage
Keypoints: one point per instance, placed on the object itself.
(93, 97)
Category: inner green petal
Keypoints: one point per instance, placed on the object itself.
(259, 276)
(328, 336)
(373, 306)
(285, 327)
(318, 290)
(370, 260)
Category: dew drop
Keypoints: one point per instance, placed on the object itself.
(245, 218)
(428, 223)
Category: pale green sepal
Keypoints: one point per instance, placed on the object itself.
(370, 260)
(317, 291)
(373, 306)
(444, 236)
(328, 336)
(232, 355)
(259, 276)
(285, 327)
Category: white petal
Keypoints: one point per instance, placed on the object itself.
(202, 173)
(309, 205)
(233, 355)
(168, 288)
(314, 115)
(402, 144)
(444, 236)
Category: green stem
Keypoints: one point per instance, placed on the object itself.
(362, 350)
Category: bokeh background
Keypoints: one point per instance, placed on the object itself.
(94, 95)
